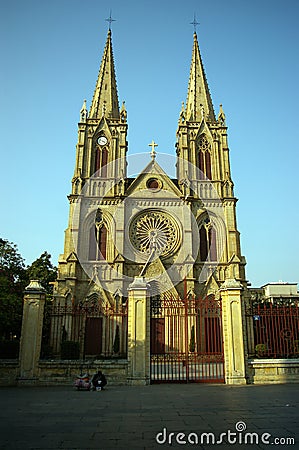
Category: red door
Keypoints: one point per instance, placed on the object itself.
(157, 335)
(93, 335)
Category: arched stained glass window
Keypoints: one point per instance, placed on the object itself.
(101, 161)
(207, 244)
(204, 157)
(97, 243)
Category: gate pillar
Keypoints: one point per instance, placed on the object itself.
(138, 333)
(31, 335)
(233, 338)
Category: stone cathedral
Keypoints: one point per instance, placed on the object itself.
(177, 238)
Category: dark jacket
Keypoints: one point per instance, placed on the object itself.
(99, 379)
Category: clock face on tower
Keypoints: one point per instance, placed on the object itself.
(102, 140)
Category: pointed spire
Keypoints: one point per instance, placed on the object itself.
(83, 112)
(221, 117)
(105, 98)
(123, 112)
(182, 114)
(199, 103)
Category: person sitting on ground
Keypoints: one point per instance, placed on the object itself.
(98, 381)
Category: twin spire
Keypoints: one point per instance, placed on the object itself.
(199, 103)
(105, 99)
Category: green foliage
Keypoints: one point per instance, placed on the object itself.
(13, 280)
(11, 262)
(70, 350)
(14, 277)
(261, 349)
(42, 269)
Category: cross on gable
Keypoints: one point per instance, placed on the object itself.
(153, 152)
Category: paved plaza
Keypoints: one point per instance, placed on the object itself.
(150, 417)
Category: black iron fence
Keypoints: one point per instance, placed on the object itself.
(84, 330)
(90, 329)
(186, 340)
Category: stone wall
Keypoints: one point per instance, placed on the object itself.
(9, 371)
(52, 373)
(263, 371)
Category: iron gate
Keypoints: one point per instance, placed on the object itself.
(186, 340)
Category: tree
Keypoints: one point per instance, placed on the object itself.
(43, 270)
(14, 277)
(13, 280)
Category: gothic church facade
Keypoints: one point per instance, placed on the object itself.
(178, 235)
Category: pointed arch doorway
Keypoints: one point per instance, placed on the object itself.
(93, 336)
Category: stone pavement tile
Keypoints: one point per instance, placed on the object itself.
(34, 442)
(85, 445)
(148, 418)
(82, 440)
(130, 424)
(116, 444)
(129, 427)
(71, 420)
(108, 427)
(23, 439)
(188, 411)
(123, 440)
(290, 427)
(194, 423)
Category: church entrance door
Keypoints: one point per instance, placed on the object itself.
(186, 340)
(93, 336)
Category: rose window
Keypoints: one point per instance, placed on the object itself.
(155, 231)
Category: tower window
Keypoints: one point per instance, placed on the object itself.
(207, 245)
(203, 243)
(101, 161)
(204, 158)
(97, 243)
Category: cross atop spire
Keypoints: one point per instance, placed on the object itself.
(194, 23)
(110, 20)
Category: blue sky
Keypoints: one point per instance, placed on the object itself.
(50, 54)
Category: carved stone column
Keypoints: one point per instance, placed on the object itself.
(233, 338)
(32, 325)
(138, 333)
